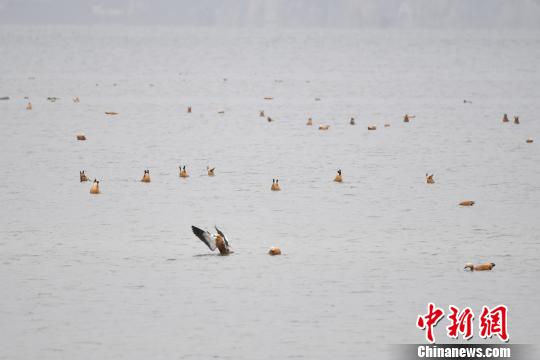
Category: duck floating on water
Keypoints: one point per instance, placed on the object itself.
(479, 267)
(216, 241)
(210, 171)
(274, 251)
(516, 119)
(505, 118)
(372, 127)
(429, 179)
(529, 140)
(338, 177)
(275, 185)
(76, 99)
(29, 106)
(324, 127)
(95, 187)
(408, 117)
(352, 121)
(111, 113)
(82, 176)
(309, 122)
(189, 109)
(467, 203)
(81, 137)
(261, 113)
(183, 172)
(146, 176)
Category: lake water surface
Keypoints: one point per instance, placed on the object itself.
(121, 276)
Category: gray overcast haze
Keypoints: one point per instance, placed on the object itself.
(281, 13)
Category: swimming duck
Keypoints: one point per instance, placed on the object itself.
(429, 179)
(529, 140)
(210, 171)
(218, 240)
(372, 127)
(467, 203)
(505, 118)
(29, 106)
(516, 119)
(95, 187)
(261, 113)
(386, 125)
(351, 121)
(146, 176)
(269, 119)
(407, 117)
(183, 172)
(338, 177)
(189, 109)
(111, 113)
(268, 98)
(275, 185)
(274, 251)
(480, 267)
(76, 99)
(81, 137)
(82, 176)
(324, 127)
(309, 122)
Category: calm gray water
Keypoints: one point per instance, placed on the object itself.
(121, 276)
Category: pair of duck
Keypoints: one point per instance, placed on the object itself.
(183, 173)
(219, 241)
(321, 127)
(429, 180)
(505, 119)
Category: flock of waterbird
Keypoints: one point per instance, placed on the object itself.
(219, 240)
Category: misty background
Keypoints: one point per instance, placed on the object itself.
(521, 14)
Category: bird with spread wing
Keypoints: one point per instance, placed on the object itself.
(218, 240)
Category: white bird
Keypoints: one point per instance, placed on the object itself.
(218, 240)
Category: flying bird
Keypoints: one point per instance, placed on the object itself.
(218, 240)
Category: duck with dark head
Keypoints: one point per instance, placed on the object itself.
(82, 176)
(183, 172)
(95, 187)
(275, 185)
(429, 179)
(146, 176)
(338, 177)
(505, 118)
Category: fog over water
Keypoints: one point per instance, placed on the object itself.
(120, 275)
(456, 14)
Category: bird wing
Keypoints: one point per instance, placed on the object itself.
(222, 235)
(205, 237)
